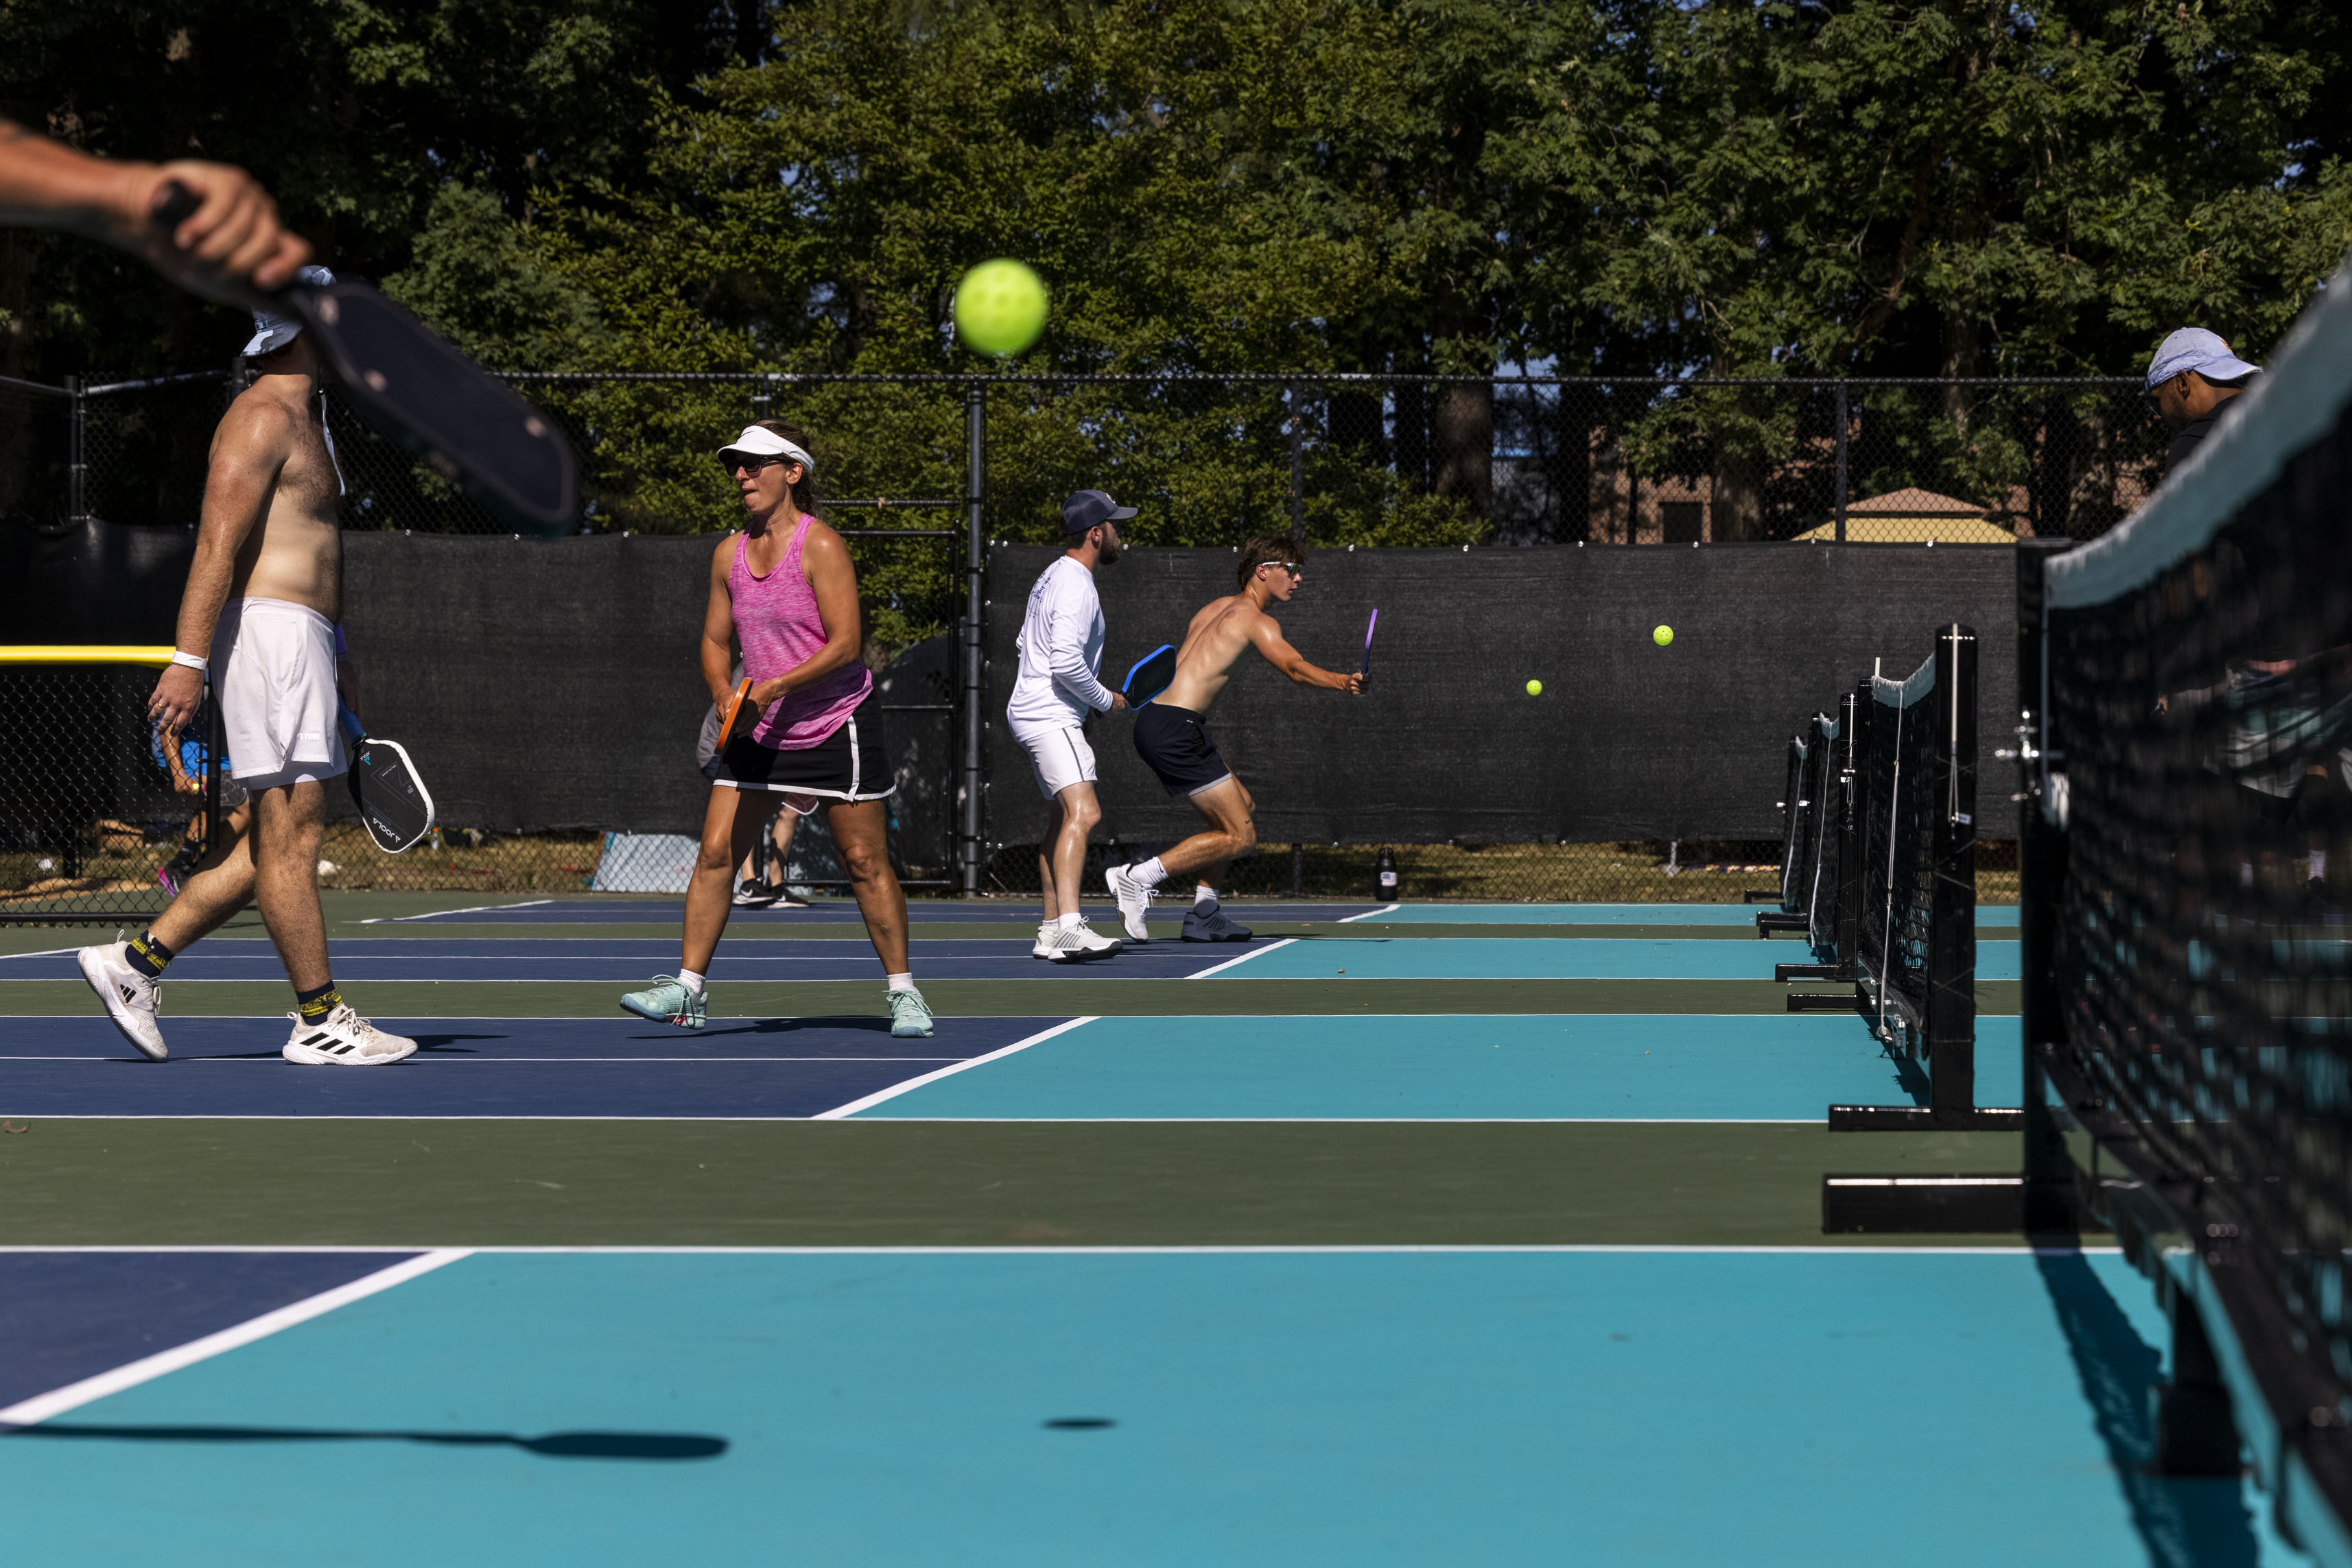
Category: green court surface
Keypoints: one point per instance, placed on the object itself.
(1509, 1251)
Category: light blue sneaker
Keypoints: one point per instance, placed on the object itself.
(667, 1000)
(911, 1016)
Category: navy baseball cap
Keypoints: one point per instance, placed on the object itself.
(1088, 508)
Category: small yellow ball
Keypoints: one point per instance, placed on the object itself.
(1662, 635)
(1535, 688)
(1000, 308)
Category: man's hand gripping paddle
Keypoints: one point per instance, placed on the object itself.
(436, 403)
(1150, 675)
(393, 800)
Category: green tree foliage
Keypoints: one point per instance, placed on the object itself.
(1624, 187)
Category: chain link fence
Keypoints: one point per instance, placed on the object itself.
(1362, 460)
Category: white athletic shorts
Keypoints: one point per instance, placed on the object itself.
(273, 669)
(1059, 755)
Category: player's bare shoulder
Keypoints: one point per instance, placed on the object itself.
(258, 430)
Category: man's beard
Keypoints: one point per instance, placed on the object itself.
(1111, 551)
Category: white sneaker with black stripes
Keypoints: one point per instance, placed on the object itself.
(1134, 901)
(132, 999)
(343, 1039)
(1081, 943)
(1044, 945)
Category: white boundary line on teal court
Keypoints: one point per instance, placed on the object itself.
(1366, 915)
(1868, 1250)
(1220, 968)
(839, 1111)
(58, 1401)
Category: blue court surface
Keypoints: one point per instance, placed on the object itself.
(1487, 957)
(834, 911)
(616, 1067)
(1800, 1407)
(1582, 1067)
(1599, 1066)
(1600, 913)
(626, 962)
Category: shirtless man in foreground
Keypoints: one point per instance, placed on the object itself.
(263, 593)
(1171, 735)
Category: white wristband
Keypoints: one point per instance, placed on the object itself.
(190, 660)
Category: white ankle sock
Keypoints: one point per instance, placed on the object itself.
(1069, 920)
(690, 981)
(902, 982)
(1203, 894)
(2318, 863)
(1150, 874)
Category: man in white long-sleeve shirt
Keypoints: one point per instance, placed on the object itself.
(1057, 692)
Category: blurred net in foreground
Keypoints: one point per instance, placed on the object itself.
(2188, 972)
(96, 820)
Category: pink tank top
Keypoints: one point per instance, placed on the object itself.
(779, 629)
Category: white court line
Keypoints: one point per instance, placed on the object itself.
(1366, 915)
(1209, 1249)
(1220, 968)
(469, 909)
(493, 1061)
(838, 1112)
(58, 1401)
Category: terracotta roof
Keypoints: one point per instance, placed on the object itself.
(1911, 502)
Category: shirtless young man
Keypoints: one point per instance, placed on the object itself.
(1171, 735)
(264, 592)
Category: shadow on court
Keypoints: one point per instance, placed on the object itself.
(554, 1445)
(2186, 1523)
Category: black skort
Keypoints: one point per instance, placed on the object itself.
(847, 765)
(1174, 744)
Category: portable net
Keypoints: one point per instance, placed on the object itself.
(1897, 847)
(2194, 967)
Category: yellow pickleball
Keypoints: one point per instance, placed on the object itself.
(1535, 688)
(1662, 635)
(1000, 308)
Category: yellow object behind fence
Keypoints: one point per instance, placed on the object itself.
(83, 653)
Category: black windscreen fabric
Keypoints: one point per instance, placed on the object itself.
(537, 683)
(92, 582)
(1629, 740)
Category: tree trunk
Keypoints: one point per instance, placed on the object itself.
(1739, 497)
(1462, 429)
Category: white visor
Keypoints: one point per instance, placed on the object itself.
(761, 443)
(272, 331)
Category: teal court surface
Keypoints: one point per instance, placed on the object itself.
(1501, 1246)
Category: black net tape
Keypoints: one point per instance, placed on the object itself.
(2202, 957)
(98, 818)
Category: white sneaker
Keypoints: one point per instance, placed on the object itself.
(344, 1039)
(132, 1001)
(1080, 944)
(1134, 900)
(1043, 947)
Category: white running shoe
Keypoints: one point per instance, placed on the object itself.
(1080, 944)
(344, 1039)
(132, 1001)
(1043, 948)
(1134, 901)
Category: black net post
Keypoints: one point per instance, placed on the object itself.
(1842, 425)
(2049, 1198)
(1952, 1020)
(975, 558)
(77, 452)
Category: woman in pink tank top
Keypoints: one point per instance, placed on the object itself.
(786, 592)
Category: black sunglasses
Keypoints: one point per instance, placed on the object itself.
(751, 462)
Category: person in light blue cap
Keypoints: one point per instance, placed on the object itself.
(2192, 378)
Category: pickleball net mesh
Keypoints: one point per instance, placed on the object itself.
(1896, 839)
(2200, 744)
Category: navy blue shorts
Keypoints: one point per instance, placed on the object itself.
(1174, 744)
